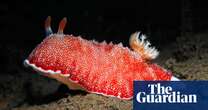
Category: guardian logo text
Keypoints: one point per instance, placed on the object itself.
(164, 94)
(170, 95)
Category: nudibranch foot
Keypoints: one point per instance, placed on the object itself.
(39, 69)
(63, 78)
(173, 78)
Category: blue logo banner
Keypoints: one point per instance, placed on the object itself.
(170, 95)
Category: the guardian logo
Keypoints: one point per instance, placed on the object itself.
(170, 95)
(164, 94)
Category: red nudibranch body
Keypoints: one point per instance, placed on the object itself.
(107, 69)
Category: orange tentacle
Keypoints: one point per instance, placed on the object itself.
(62, 25)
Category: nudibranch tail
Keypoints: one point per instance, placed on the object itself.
(138, 44)
(48, 26)
(62, 25)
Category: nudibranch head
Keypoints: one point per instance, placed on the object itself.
(48, 56)
(55, 56)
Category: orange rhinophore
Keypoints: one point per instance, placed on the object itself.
(107, 69)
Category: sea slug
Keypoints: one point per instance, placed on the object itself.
(107, 69)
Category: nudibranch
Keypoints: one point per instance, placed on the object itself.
(102, 68)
